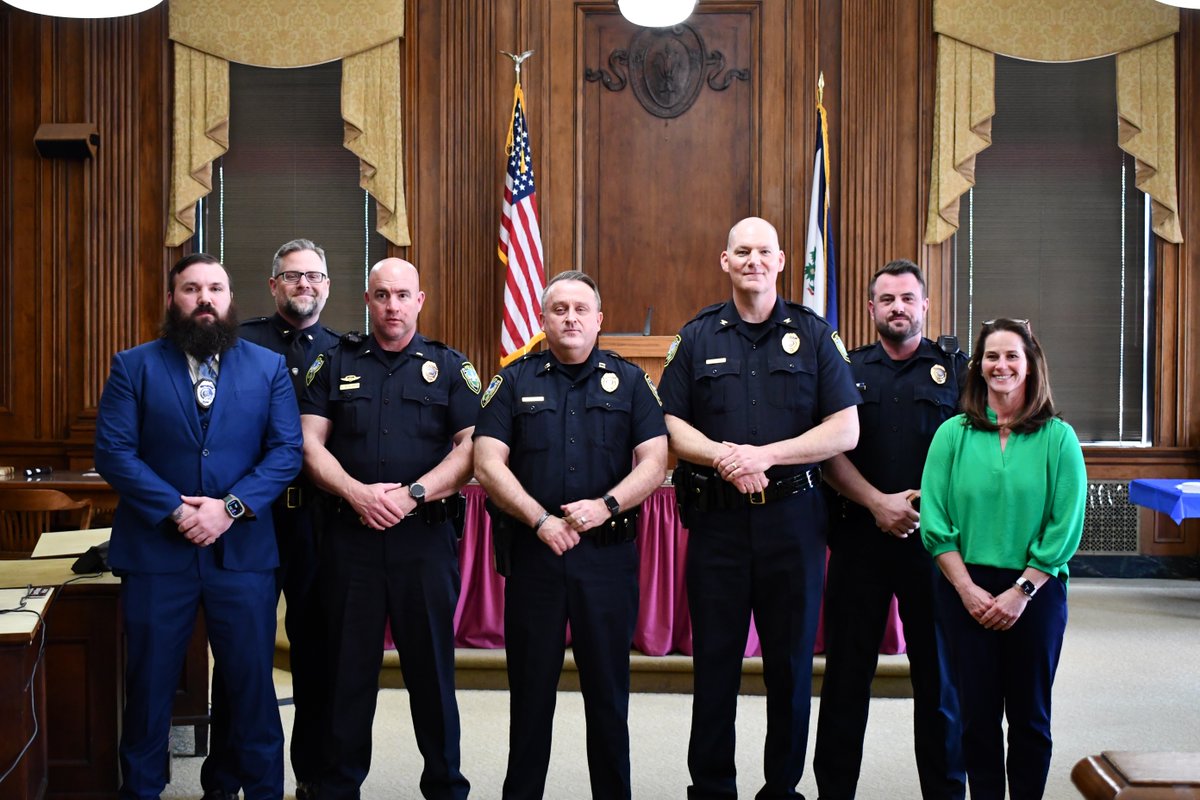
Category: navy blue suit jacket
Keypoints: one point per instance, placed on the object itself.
(152, 448)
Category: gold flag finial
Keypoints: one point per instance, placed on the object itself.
(820, 86)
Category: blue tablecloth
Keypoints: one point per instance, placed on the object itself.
(1162, 495)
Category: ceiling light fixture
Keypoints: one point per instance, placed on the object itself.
(656, 13)
(84, 9)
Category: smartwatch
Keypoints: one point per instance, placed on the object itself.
(614, 507)
(1026, 586)
(234, 507)
(417, 492)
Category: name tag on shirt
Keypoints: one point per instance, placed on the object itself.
(715, 360)
(538, 399)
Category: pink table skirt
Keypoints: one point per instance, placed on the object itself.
(663, 624)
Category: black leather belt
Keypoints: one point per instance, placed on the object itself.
(293, 496)
(707, 491)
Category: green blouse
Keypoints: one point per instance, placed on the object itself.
(1019, 507)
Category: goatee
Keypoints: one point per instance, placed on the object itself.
(201, 339)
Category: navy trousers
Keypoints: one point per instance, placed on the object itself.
(160, 613)
(296, 578)
(408, 576)
(769, 560)
(1005, 674)
(595, 589)
(866, 568)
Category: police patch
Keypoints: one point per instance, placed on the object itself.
(653, 389)
(837, 340)
(471, 377)
(493, 387)
(314, 369)
(672, 349)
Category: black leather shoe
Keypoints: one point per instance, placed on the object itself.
(220, 794)
(306, 791)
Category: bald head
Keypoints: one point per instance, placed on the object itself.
(752, 228)
(394, 299)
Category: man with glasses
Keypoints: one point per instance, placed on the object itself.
(299, 283)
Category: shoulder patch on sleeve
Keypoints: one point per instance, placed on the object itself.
(314, 369)
(653, 389)
(492, 388)
(837, 340)
(471, 377)
(671, 351)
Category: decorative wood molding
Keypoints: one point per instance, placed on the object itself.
(667, 67)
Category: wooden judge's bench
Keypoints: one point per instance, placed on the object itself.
(1117, 775)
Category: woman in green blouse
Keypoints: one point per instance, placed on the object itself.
(1002, 502)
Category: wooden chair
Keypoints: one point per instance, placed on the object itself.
(25, 513)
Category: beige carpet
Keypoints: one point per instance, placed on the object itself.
(1129, 680)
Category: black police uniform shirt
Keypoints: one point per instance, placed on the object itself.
(759, 383)
(903, 404)
(393, 415)
(277, 334)
(571, 430)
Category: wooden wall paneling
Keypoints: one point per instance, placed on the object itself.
(1186, 421)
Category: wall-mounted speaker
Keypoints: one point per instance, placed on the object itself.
(67, 139)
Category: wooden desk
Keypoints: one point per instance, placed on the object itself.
(78, 485)
(23, 702)
(1138, 776)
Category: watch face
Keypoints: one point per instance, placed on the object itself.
(417, 491)
(234, 507)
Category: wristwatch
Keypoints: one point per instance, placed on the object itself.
(234, 507)
(614, 507)
(417, 492)
(1026, 586)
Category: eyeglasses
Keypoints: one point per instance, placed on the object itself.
(1024, 322)
(294, 277)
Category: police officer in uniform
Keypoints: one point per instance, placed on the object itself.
(909, 387)
(387, 424)
(299, 283)
(757, 393)
(553, 449)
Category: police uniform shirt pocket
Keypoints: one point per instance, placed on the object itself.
(793, 381)
(432, 402)
(936, 402)
(534, 419)
(870, 411)
(608, 416)
(351, 410)
(718, 385)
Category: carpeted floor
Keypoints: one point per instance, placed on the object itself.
(1128, 680)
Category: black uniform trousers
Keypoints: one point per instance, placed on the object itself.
(407, 575)
(1005, 674)
(304, 621)
(866, 567)
(769, 559)
(595, 588)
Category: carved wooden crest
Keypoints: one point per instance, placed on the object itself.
(666, 68)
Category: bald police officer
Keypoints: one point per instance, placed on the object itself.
(387, 424)
(757, 393)
(569, 443)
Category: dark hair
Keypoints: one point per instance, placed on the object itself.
(1039, 402)
(901, 266)
(295, 246)
(187, 261)
(572, 275)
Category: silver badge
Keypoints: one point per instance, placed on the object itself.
(429, 371)
(610, 382)
(206, 392)
(791, 343)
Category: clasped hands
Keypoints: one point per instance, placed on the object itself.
(894, 513)
(994, 612)
(201, 520)
(743, 465)
(560, 534)
(381, 505)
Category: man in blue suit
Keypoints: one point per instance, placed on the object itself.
(198, 432)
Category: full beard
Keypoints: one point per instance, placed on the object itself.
(201, 339)
(886, 331)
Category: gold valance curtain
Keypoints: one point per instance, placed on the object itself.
(971, 32)
(282, 33)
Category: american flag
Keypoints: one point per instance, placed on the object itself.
(520, 244)
(820, 269)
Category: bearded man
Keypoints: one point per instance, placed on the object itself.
(199, 433)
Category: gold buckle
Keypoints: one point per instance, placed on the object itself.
(758, 498)
(292, 498)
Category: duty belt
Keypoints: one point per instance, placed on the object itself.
(707, 491)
